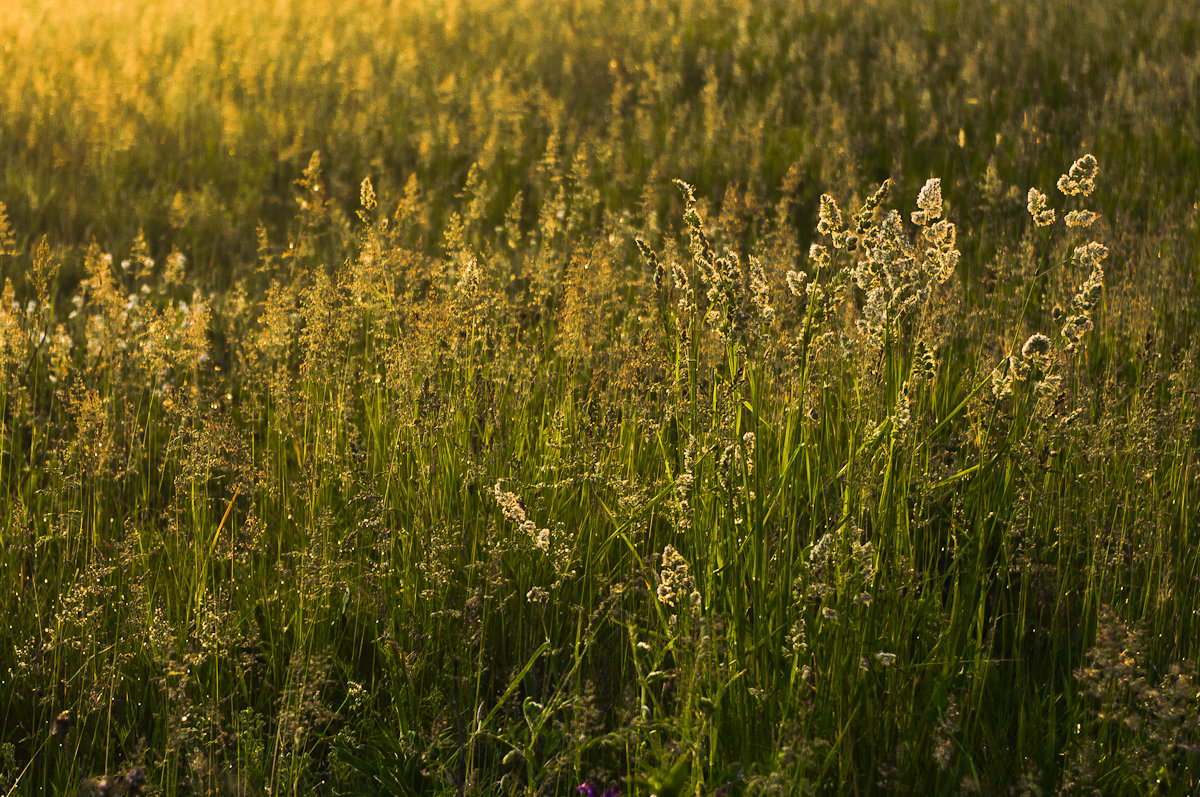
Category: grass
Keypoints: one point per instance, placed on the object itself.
(494, 398)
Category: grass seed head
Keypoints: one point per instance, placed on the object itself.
(366, 194)
(1079, 218)
(1080, 179)
(1073, 331)
(795, 283)
(1036, 347)
(8, 241)
(829, 216)
(1043, 216)
(929, 203)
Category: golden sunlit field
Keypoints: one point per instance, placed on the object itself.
(707, 397)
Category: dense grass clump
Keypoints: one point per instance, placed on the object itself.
(656, 398)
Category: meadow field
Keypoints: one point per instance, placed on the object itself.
(676, 397)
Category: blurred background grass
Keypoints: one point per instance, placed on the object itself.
(266, 424)
(192, 120)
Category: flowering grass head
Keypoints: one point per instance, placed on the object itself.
(1080, 179)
